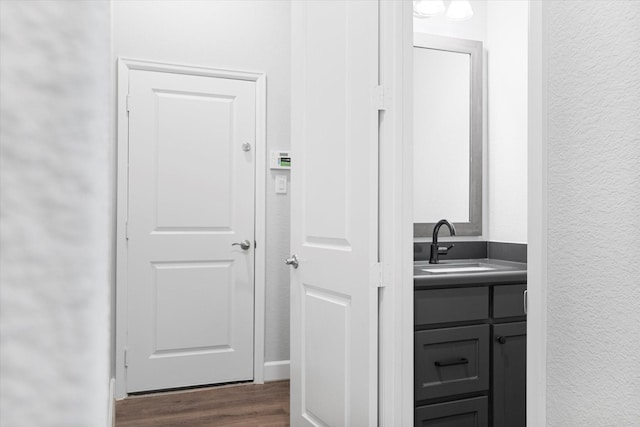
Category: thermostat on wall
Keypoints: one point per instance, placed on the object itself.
(280, 160)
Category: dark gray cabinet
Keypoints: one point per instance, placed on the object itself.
(435, 306)
(470, 356)
(451, 361)
(459, 413)
(509, 374)
(508, 301)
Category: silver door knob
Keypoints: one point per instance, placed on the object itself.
(293, 261)
(246, 146)
(245, 245)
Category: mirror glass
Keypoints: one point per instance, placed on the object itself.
(447, 134)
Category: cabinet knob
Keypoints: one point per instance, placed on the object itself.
(501, 339)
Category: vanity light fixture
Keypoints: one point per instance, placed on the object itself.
(427, 8)
(459, 10)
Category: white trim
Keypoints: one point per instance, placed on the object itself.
(537, 218)
(111, 405)
(260, 262)
(122, 136)
(277, 370)
(125, 65)
(194, 70)
(396, 216)
(405, 303)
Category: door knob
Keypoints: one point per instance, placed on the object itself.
(293, 261)
(245, 244)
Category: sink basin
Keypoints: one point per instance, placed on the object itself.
(471, 271)
(458, 268)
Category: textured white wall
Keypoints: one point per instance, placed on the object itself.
(242, 35)
(507, 47)
(54, 306)
(593, 304)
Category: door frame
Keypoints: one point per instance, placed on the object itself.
(396, 357)
(395, 372)
(124, 66)
(537, 215)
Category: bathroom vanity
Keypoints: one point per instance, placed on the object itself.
(470, 343)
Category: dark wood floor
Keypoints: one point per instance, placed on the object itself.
(265, 405)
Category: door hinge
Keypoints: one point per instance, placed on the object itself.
(126, 361)
(126, 230)
(378, 275)
(382, 275)
(128, 102)
(379, 98)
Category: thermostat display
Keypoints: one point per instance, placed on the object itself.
(280, 160)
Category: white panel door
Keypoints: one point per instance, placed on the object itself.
(191, 196)
(334, 224)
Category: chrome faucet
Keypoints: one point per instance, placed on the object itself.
(435, 249)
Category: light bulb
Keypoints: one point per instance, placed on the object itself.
(459, 10)
(427, 8)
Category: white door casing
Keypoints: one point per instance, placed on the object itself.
(334, 213)
(191, 196)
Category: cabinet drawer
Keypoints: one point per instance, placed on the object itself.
(460, 413)
(451, 361)
(508, 301)
(509, 389)
(451, 305)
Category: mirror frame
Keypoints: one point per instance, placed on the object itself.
(475, 50)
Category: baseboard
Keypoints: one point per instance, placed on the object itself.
(111, 410)
(276, 370)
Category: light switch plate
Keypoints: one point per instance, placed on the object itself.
(281, 184)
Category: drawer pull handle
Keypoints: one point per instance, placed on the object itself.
(452, 362)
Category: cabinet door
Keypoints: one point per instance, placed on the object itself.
(451, 361)
(451, 305)
(459, 413)
(508, 301)
(509, 374)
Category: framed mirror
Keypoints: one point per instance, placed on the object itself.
(447, 134)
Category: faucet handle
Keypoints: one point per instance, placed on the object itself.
(442, 250)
